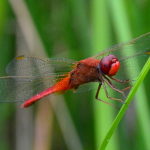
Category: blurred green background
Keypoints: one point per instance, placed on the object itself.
(77, 30)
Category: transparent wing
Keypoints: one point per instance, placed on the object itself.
(32, 75)
(132, 55)
(15, 89)
(35, 66)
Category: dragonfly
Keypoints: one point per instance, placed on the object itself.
(32, 78)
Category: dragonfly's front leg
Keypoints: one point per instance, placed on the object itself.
(111, 85)
(122, 81)
(96, 97)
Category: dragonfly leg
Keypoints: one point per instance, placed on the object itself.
(115, 90)
(111, 85)
(126, 88)
(120, 81)
(96, 97)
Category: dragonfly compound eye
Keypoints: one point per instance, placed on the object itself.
(109, 65)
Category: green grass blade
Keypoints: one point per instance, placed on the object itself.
(125, 106)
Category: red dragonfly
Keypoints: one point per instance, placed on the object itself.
(32, 78)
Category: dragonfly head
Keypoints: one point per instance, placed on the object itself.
(109, 65)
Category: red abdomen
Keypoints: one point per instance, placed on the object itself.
(61, 86)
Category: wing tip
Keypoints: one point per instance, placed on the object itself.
(147, 52)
